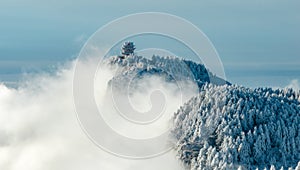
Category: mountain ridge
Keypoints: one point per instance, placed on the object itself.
(225, 126)
(173, 68)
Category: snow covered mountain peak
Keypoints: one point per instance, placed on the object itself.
(224, 126)
(172, 68)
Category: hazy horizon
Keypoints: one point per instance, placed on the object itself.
(257, 41)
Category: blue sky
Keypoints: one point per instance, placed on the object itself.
(258, 41)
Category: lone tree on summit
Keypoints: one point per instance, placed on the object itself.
(128, 48)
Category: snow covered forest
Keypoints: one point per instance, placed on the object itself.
(231, 127)
(225, 126)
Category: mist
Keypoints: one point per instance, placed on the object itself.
(39, 128)
(294, 84)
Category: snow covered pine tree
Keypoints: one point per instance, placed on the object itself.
(127, 49)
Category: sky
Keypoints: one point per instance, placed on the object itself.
(258, 41)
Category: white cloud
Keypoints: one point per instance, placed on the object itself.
(80, 39)
(39, 130)
(294, 84)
